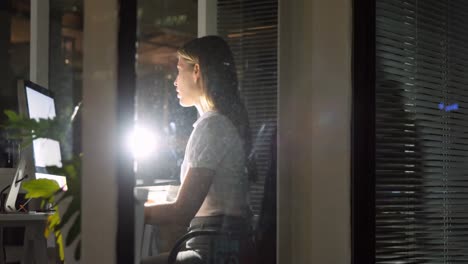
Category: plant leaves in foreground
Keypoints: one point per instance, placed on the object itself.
(40, 188)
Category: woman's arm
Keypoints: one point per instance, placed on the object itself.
(191, 195)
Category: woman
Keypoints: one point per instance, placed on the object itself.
(216, 169)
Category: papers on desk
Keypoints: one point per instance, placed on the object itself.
(161, 194)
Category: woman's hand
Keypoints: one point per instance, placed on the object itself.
(191, 195)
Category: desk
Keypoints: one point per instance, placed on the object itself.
(34, 240)
(142, 231)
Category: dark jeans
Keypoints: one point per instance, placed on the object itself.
(235, 247)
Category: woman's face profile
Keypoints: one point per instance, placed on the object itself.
(187, 89)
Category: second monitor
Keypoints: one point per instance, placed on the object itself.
(35, 102)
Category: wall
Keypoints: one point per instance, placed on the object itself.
(314, 131)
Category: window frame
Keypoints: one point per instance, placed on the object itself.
(363, 133)
(126, 83)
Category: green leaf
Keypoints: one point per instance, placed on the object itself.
(71, 170)
(59, 241)
(74, 231)
(12, 115)
(40, 188)
(53, 220)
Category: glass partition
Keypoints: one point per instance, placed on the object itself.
(163, 27)
(66, 22)
(14, 55)
(29, 31)
(66, 65)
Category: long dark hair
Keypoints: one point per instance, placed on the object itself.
(220, 86)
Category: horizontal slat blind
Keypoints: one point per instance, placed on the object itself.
(250, 28)
(421, 131)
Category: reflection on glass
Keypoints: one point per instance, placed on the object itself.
(65, 66)
(14, 58)
(163, 26)
(250, 30)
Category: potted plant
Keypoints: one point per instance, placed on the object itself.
(65, 204)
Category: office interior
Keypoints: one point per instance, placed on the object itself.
(72, 47)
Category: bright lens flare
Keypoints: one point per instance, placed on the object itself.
(142, 142)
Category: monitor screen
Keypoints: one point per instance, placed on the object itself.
(46, 152)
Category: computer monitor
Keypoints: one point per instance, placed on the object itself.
(35, 102)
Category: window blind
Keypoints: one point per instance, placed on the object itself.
(421, 131)
(251, 29)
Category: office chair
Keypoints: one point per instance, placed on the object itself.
(264, 232)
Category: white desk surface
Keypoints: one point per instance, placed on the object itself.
(23, 217)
